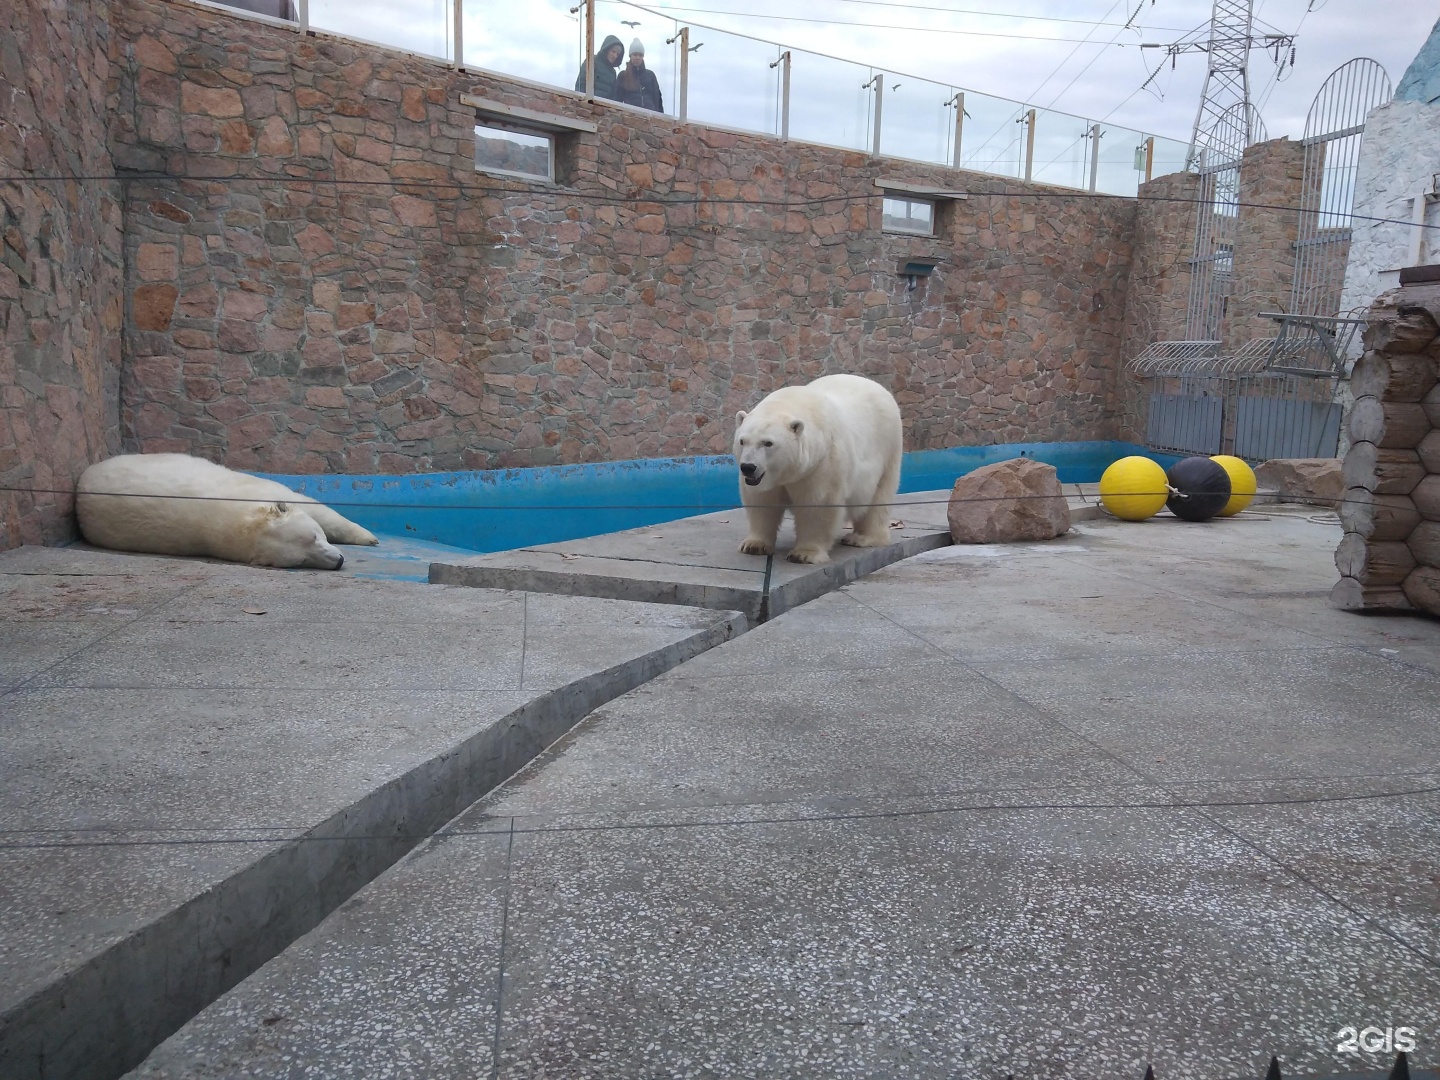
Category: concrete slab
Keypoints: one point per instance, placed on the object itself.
(860, 841)
(198, 761)
(695, 561)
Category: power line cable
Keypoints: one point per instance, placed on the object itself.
(874, 26)
(928, 7)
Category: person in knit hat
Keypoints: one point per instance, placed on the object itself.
(612, 51)
(636, 84)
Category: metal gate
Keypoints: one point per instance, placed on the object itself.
(1286, 416)
(1333, 130)
(1189, 422)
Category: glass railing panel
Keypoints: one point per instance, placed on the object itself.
(1062, 150)
(993, 140)
(631, 24)
(828, 101)
(1170, 157)
(732, 83)
(915, 120)
(418, 26)
(539, 40)
(1122, 161)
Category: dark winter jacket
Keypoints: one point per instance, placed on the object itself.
(604, 71)
(639, 88)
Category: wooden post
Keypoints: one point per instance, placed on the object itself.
(684, 71)
(590, 49)
(1149, 158)
(459, 34)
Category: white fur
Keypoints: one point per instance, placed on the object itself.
(174, 504)
(828, 451)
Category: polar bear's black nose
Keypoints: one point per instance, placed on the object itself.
(747, 469)
(341, 563)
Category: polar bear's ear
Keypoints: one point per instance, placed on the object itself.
(797, 426)
(278, 509)
(740, 416)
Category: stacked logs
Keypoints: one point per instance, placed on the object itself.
(1390, 556)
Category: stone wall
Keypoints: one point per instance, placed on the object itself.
(60, 263)
(332, 287)
(1271, 176)
(1159, 287)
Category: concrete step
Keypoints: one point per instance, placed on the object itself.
(696, 561)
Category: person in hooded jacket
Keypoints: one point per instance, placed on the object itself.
(636, 84)
(612, 51)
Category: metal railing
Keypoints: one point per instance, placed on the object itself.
(723, 79)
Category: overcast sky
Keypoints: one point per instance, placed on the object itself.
(1087, 63)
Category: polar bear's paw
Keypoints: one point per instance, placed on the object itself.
(754, 546)
(862, 540)
(809, 553)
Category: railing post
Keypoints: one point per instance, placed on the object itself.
(1029, 121)
(1094, 155)
(878, 82)
(590, 49)
(684, 71)
(959, 102)
(1149, 158)
(304, 17)
(459, 34)
(784, 60)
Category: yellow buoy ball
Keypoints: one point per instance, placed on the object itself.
(1134, 488)
(1242, 483)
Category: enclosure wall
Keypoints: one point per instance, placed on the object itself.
(60, 263)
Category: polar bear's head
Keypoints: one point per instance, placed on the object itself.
(771, 447)
(287, 538)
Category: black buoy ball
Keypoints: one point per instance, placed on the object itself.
(1202, 488)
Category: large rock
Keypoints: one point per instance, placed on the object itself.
(1306, 480)
(1011, 500)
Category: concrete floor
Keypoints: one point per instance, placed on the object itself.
(198, 761)
(1134, 796)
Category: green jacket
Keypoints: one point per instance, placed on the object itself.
(604, 72)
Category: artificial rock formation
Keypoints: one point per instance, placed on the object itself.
(1019, 499)
(1307, 480)
(1390, 555)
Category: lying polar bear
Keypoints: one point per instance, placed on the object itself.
(174, 504)
(827, 451)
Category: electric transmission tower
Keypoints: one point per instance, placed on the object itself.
(1225, 99)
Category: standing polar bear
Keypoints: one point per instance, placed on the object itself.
(174, 504)
(826, 451)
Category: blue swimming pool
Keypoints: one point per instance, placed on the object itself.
(499, 509)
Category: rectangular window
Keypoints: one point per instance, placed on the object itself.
(916, 217)
(530, 154)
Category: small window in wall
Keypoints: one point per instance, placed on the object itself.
(901, 214)
(512, 152)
